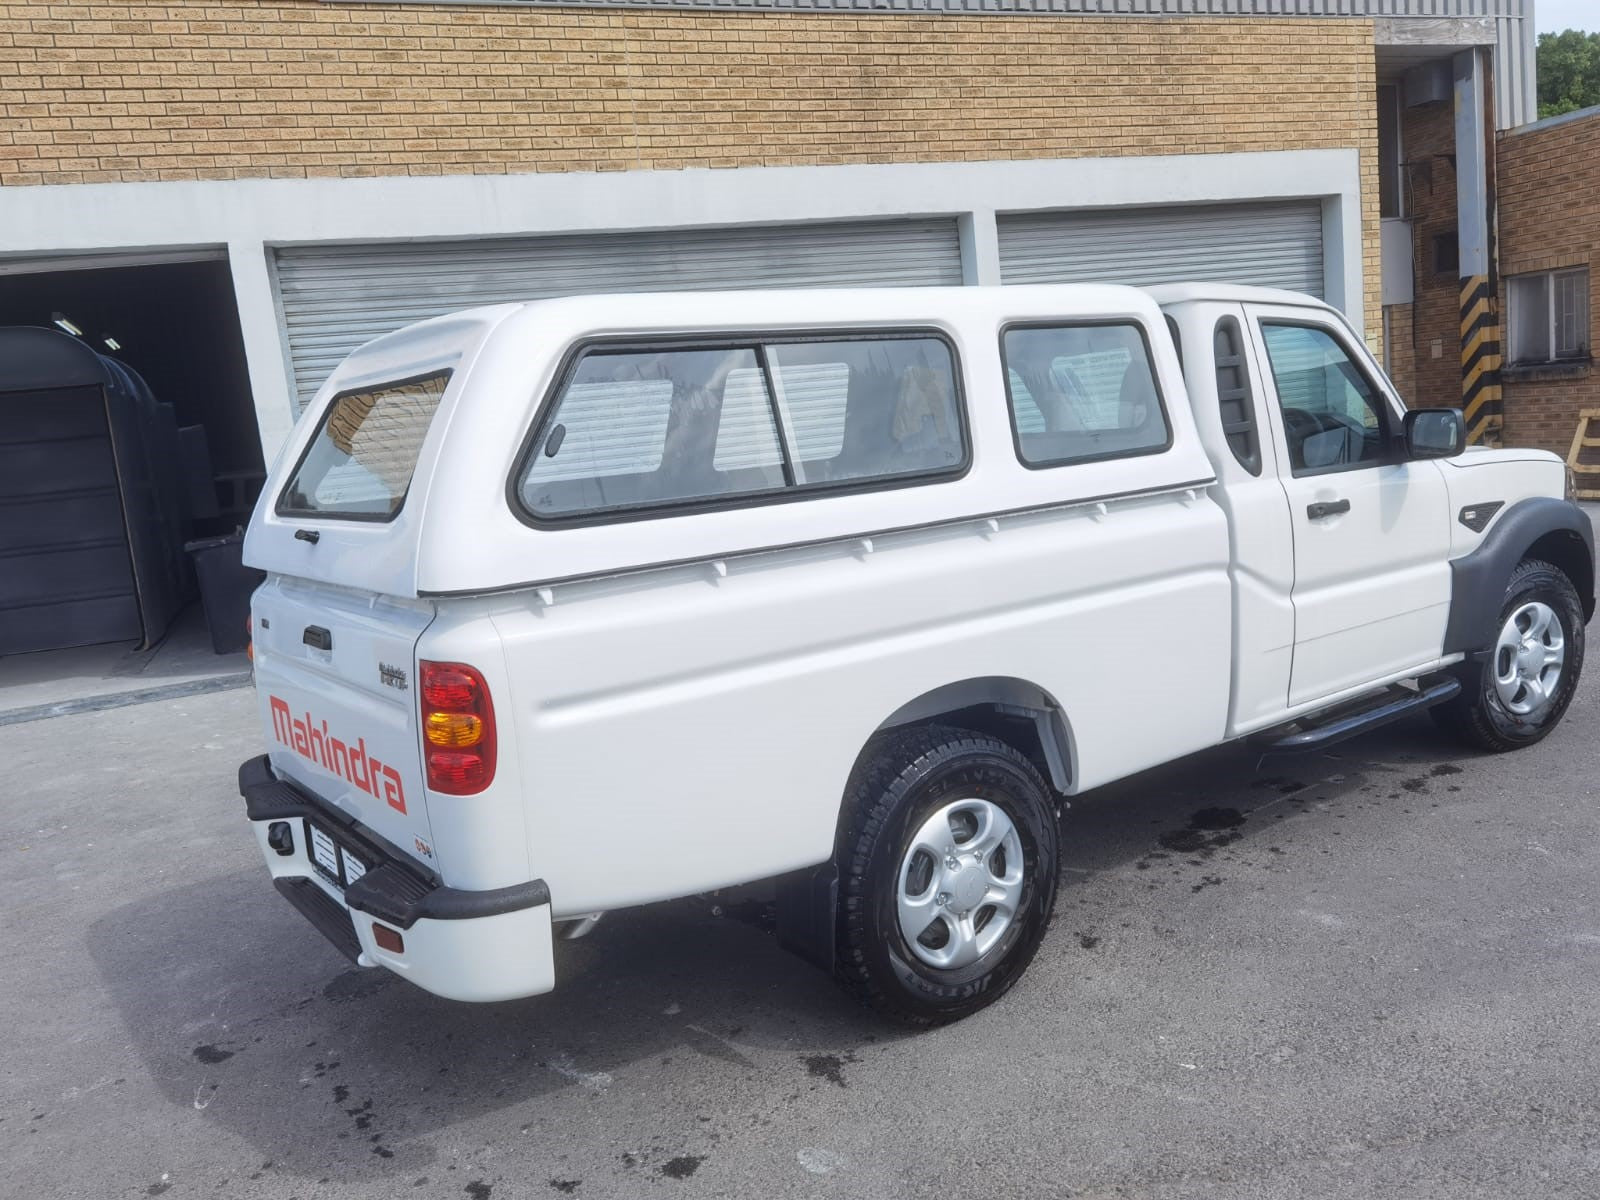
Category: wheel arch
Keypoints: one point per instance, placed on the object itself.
(1565, 550)
(1017, 711)
(1556, 531)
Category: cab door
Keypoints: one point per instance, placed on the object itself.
(1371, 529)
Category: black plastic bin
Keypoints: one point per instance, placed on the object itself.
(225, 588)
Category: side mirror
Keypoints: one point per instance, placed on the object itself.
(1435, 433)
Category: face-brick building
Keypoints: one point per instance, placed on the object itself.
(1549, 239)
(232, 196)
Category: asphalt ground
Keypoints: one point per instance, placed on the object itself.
(1368, 973)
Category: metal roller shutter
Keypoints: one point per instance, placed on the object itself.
(1268, 245)
(336, 297)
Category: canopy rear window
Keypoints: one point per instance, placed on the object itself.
(359, 466)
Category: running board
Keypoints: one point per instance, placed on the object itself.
(1342, 722)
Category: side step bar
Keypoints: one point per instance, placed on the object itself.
(1324, 729)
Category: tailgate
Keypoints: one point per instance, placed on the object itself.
(335, 684)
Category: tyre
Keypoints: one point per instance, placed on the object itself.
(1522, 688)
(947, 874)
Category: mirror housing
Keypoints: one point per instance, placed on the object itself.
(1435, 433)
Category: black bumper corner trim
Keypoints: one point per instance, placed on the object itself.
(393, 890)
(387, 894)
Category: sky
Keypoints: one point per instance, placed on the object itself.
(1552, 16)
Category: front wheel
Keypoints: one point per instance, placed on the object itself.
(1522, 688)
(947, 874)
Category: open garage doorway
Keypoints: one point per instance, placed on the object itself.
(177, 325)
(171, 321)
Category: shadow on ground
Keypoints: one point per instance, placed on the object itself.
(243, 1014)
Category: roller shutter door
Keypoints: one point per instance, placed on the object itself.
(1266, 245)
(335, 298)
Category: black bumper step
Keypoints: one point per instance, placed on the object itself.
(1347, 721)
(324, 912)
(396, 889)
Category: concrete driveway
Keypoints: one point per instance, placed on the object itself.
(1377, 980)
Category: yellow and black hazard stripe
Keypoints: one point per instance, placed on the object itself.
(1480, 360)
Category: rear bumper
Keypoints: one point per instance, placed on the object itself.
(462, 945)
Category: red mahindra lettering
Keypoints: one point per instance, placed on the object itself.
(310, 739)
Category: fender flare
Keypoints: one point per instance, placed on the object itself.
(1478, 579)
(1010, 695)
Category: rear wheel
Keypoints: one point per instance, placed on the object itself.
(947, 874)
(1522, 688)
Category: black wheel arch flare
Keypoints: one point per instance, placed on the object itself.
(1542, 527)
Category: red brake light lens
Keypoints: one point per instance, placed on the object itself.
(458, 736)
(448, 687)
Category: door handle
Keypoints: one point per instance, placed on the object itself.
(1327, 508)
(317, 637)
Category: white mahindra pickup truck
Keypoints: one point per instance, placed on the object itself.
(587, 603)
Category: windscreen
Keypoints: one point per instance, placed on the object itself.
(360, 463)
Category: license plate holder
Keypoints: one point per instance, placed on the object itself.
(333, 859)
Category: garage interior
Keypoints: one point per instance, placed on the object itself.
(173, 321)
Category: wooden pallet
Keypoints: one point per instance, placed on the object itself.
(1584, 457)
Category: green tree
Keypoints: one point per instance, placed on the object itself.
(1569, 72)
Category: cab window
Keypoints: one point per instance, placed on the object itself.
(1333, 417)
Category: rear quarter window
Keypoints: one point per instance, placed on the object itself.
(359, 464)
(1079, 393)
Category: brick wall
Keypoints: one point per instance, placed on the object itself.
(113, 91)
(1401, 363)
(101, 92)
(1425, 353)
(1550, 217)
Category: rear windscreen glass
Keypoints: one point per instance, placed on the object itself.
(360, 463)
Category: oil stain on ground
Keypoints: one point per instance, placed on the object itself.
(1208, 831)
(828, 1066)
(211, 1055)
(683, 1166)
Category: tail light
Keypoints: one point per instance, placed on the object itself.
(250, 638)
(457, 729)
